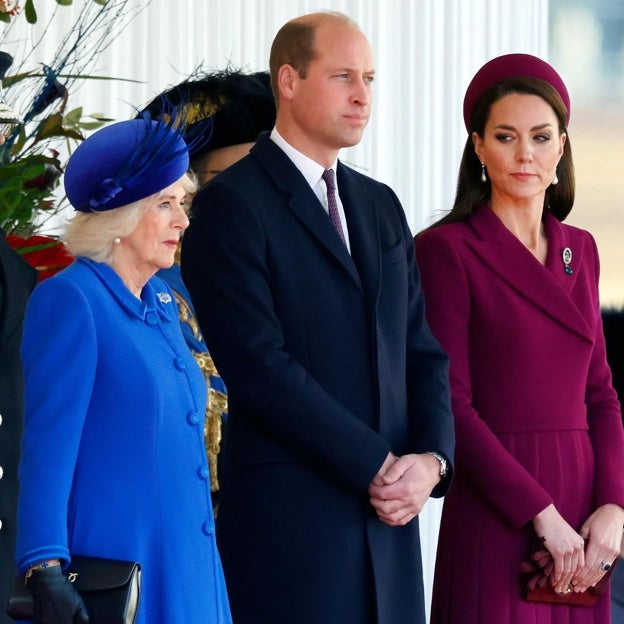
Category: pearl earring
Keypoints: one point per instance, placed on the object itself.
(483, 176)
(555, 179)
(117, 240)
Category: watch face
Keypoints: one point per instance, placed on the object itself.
(443, 468)
(443, 464)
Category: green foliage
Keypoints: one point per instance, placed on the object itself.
(30, 169)
(30, 12)
(34, 154)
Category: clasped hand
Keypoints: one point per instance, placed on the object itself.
(55, 599)
(577, 568)
(603, 530)
(402, 486)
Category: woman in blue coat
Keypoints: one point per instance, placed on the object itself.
(113, 461)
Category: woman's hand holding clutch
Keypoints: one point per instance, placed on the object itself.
(55, 599)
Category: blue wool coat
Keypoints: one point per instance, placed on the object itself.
(113, 461)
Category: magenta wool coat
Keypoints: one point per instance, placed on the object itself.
(537, 420)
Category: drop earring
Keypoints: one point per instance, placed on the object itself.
(483, 176)
(117, 240)
(555, 179)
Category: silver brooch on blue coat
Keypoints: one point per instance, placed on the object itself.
(566, 256)
(164, 297)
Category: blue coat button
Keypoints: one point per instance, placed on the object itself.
(208, 527)
(179, 364)
(151, 318)
(203, 472)
(192, 418)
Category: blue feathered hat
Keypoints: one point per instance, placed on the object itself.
(125, 162)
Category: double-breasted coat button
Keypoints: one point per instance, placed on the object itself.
(192, 418)
(203, 473)
(208, 528)
(179, 363)
(151, 318)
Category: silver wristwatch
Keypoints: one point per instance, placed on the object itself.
(443, 464)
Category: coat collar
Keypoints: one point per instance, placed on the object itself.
(363, 223)
(548, 287)
(155, 298)
(303, 203)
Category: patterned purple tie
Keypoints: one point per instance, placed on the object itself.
(334, 217)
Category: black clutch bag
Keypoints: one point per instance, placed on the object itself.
(109, 588)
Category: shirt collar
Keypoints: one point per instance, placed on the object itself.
(309, 168)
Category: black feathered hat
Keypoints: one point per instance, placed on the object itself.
(239, 105)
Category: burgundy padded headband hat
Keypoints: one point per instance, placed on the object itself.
(509, 66)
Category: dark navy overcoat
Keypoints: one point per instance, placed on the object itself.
(17, 279)
(330, 364)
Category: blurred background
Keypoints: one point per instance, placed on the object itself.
(587, 47)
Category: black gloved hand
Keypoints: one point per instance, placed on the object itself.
(55, 599)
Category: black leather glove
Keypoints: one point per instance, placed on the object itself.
(55, 599)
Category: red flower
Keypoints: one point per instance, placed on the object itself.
(47, 255)
(5, 7)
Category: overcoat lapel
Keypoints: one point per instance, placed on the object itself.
(364, 237)
(548, 287)
(301, 201)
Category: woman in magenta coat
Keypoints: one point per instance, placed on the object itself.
(512, 296)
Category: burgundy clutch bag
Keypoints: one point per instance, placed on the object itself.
(535, 581)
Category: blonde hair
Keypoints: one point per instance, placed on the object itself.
(92, 234)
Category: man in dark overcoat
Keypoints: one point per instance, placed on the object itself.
(303, 277)
(17, 279)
